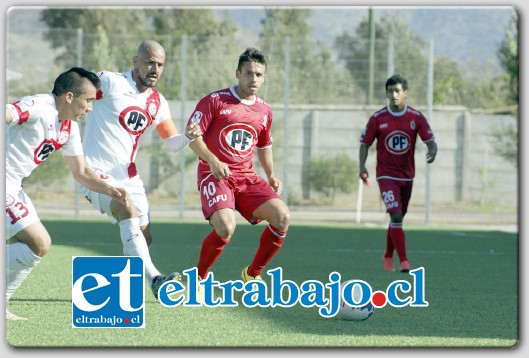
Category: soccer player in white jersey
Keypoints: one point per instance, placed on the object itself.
(37, 126)
(126, 110)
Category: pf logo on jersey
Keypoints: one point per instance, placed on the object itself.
(238, 139)
(44, 150)
(135, 120)
(398, 142)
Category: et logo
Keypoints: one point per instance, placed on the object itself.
(108, 292)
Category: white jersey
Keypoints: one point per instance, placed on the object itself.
(34, 134)
(121, 117)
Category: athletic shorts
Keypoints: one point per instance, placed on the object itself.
(396, 194)
(20, 212)
(133, 186)
(243, 193)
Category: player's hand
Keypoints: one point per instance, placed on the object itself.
(193, 131)
(432, 151)
(276, 184)
(120, 195)
(363, 174)
(220, 169)
(430, 155)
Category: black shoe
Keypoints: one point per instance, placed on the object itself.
(161, 279)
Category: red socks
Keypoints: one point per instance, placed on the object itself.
(212, 247)
(389, 245)
(398, 240)
(269, 244)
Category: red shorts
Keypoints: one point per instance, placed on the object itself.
(243, 193)
(396, 194)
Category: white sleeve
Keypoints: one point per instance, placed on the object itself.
(73, 147)
(177, 142)
(29, 109)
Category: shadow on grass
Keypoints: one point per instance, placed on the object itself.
(471, 276)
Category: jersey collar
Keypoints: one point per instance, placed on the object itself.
(397, 114)
(133, 83)
(243, 101)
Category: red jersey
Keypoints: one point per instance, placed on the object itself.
(396, 135)
(232, 128)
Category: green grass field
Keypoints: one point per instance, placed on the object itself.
(472, 282)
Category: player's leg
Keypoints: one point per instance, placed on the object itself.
(27, 242)
(146, 231)
(276, 213)
(398, 227)
(396, 198)
(395, 239)
(257, 201)
(398, 237)
(130, 218)
(387, 258)
(223, 223)
(218, 207)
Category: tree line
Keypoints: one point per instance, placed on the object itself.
(335, 73)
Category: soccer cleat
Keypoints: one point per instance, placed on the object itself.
(161, 279)
(404, 266)
(246, 277)
(13, 317)
(388, 263)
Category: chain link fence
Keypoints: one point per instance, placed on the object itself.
(318, 118)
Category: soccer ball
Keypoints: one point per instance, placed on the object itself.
(354, 313)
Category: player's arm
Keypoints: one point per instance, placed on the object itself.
(174, 141)
(266, 159)
(86, 176)
(219, 169)
(9, 116)
(432, 151)
(362, 157)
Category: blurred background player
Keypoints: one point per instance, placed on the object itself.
(395, 127)
(236, 122)
(37, 126)
(126, 110)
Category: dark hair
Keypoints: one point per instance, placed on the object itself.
(252, 55)
(74, 80)
(396, 79)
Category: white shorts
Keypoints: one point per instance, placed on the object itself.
(20, 212)
(134, 188)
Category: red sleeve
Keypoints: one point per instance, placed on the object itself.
(425, 132)
(369, 133)
(265, 136)
(204, 112)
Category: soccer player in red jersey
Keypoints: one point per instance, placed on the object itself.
(235, 124)
(395, 128)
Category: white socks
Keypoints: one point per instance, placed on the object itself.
(20, 261)
(134, 244)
